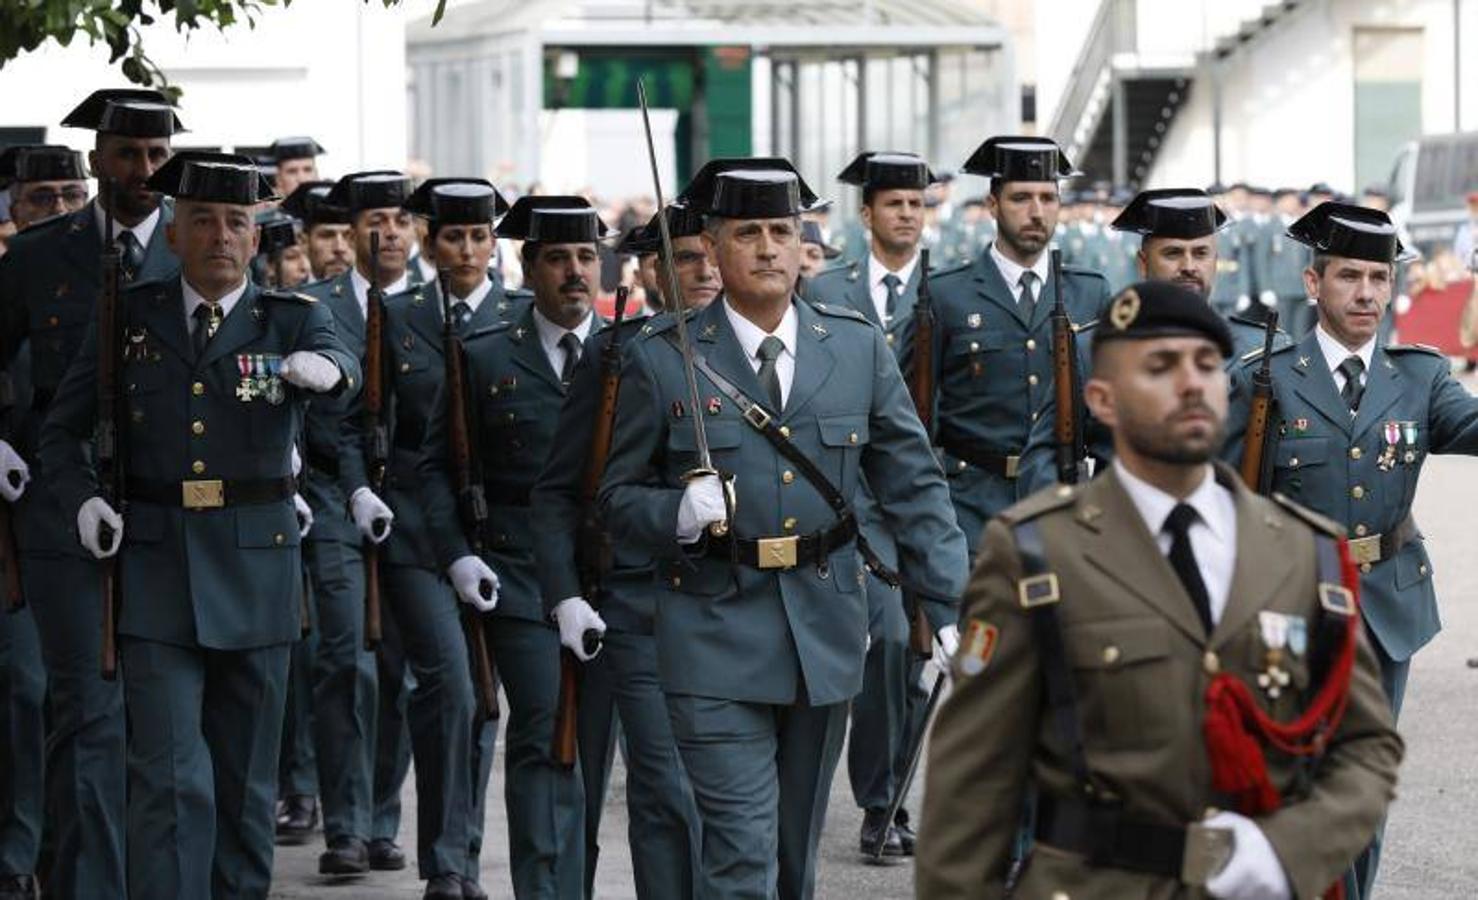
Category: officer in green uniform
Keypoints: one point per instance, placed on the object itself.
(1278, 264)
(1355, 421)
(761, 629)
(41, 181)
(344, 675)
(1232, 293)
(215, 372)
(993, 341)
(1179, 230)
(326, 234)
(883, 288)
(519, 372)
(294, 161)
(49, 285)
(663, 818)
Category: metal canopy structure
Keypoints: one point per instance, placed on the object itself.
(815, 80)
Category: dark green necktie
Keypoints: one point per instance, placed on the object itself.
(131, 257)
(894, 284)
(769, 351)
(1028, 299)
(1352, 368)
(207, 319)
(571, 346)
(461, 317)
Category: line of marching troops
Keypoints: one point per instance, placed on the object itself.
(726, 526)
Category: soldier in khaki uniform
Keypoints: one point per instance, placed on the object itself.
(1109, 627)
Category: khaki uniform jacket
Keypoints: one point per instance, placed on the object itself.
(1141, 664)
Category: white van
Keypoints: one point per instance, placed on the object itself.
(1430, 181)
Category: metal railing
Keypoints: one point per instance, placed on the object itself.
(1112, 32)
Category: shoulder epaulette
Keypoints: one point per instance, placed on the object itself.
(628, 325)
(1086, 326)
(654, 325)
(1083, 270)
(950, 270)
(295, 296)
(1243, 320)
(1414, 348)
(484, 331)
(1041, 503)
(834, 272)
(1256, 352)
(838, 311)
(1309, 517)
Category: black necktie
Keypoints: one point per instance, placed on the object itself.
(1183, 560)
(1028, 299)
(462, 316)
(131, 257)
(207, 319)
(893, 284)
(1352, 368)
(769, 351)
(571, 346)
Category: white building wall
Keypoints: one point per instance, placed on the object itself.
(332, 69)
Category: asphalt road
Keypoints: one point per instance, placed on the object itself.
(1432, 836)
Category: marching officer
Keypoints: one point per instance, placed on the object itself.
(326, 232)
(1231, 292)
(815, 251)
(1129, 647)
(1356, 419)
(44, 180)
(883, 287)
(215, 372)
(295, 160)
(1180, 231)
(518, 375)
(761, 628)
(993, 343)
(663, 818)
(1278, 264)
(49, 285)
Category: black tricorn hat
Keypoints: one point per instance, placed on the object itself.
(1020, 158)
(1185, 213)
(553, 219)
(211, 178)
(302, 147)
(752, 187)
(40, 162)
(647, 238)
(276, 233)
(888, 170)
(811, 234)
(308, 203)
(1357, 232)
(457, 201)
(131, 112)
(1152, 309)
(374, 189)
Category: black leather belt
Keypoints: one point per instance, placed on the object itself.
(1373, 548)
(1107, 839)
(991, 459)
(409, 441)
(507, 496)
(212, 493)
(785, 552)
(319, 461)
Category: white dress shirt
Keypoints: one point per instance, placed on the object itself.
(361, 287)
(474, 299)
(143, 232)
(193, 301)
(875, 274)
(427, 267)
(550, 334)
(750, 335)
(1213, 535)
(1336, 353)
(1011, 271)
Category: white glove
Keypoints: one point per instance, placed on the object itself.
(311, 371)
(701, 506)
(1253, 872)
(371, 516)
(475, 582)
(297, 462)
(946, 644)
(94, 514)
(575, 617)
(305, 515)
(1268, 298)
(14, 473)
(1402, 304)
(1243, 301)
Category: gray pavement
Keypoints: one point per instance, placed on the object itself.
(1432, 838)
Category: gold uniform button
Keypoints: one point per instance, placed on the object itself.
(1357, 492)
(278, 539)
(1293, 463)
(1365, 568)
(677, 582)
(53, 321)
(1361, 530)
(197, 428)
(1031, 380)
(852, 438)
(1034, 417)
(1211, 663)
(1110, 654)
(890, 340)
(961, 465)
(1060, 895)
(198, 467)
(974, 347)
(1354, 453)
(1422, 569)
(1031, 343)
(785, 431)
(787, 476)
(405, 367)
(1064, 490)
(789, 523)
(198, 389)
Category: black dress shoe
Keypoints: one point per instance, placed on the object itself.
(906, 835)
(471, 890)
(444, 887)
(385, 855)
(875, 828)
(297, 816)
(22, 887)
(344, 856)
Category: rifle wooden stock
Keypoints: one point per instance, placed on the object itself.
(109, 442)
(593, 548)
(472, 502)
(1256, 446)
(921, 389)
(1065, 425)
(377, 451)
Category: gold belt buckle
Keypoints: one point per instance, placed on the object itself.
(209, 494)
(776, 553)
(1365, 549)
(1013, 464)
